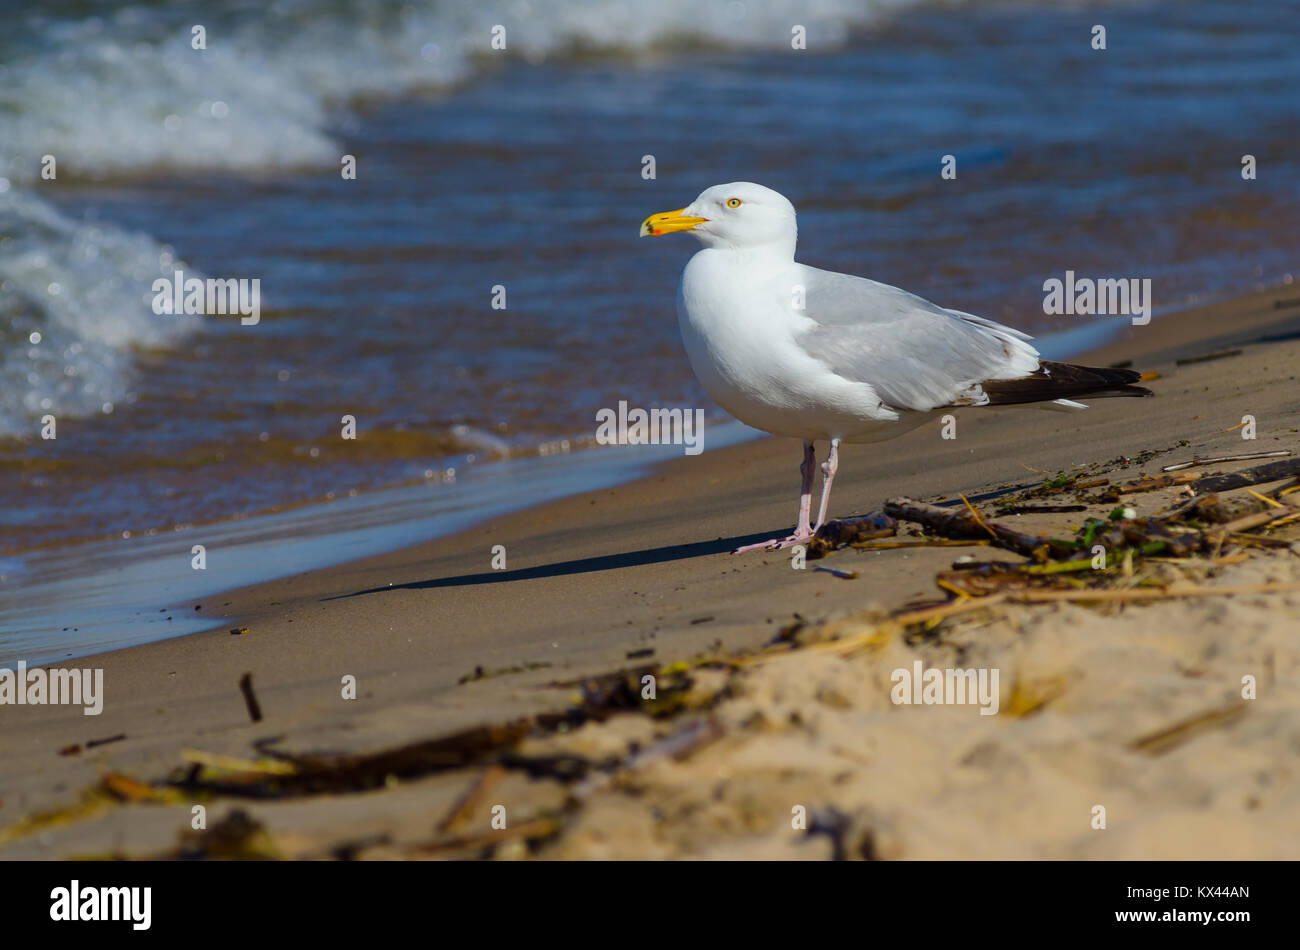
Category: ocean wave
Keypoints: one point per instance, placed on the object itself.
(125, 92)
(74, 310)
(119, 91)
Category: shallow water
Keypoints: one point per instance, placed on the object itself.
(523, 169)
(75, 600)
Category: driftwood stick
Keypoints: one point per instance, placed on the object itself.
(1248, 456)
(231, 764)
(1258, 519)
(949, 609)
(1162, 740)
(963, 523)
(250, 698)
(1272, 472)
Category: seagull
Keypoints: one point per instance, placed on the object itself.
(824, 357)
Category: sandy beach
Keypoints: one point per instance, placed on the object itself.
(640, 577)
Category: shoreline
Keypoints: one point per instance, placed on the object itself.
(318, 535)
(439, 641)
(104, 590)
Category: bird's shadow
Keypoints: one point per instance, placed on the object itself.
(585, 565)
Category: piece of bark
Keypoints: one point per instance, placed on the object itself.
(837, 534)
(1156, 482)
(874, 524)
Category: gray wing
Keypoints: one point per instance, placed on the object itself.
(915, 354)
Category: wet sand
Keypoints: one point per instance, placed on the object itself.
(595, 577)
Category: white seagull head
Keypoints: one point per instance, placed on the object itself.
(739, 216)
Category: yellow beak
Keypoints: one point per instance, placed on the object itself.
(668, 222)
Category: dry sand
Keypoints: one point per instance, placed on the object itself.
(645, 566)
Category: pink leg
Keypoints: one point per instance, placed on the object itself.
(829, 468)
(803, 532)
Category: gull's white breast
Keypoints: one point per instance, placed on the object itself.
(740, 324)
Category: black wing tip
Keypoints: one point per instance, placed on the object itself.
(1054, 381)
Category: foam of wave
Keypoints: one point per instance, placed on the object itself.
(126, 92)
(74, 304)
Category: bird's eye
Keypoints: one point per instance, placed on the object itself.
(733, 202)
